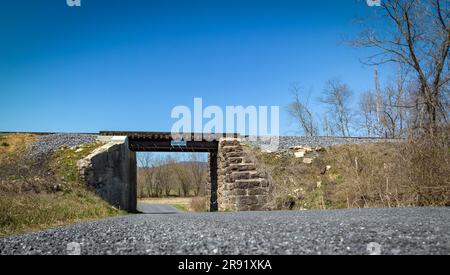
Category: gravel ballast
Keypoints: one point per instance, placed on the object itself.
(286, 142)
(47, 144)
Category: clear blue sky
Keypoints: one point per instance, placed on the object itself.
(123, 65)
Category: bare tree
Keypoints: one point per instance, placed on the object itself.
(183, 177)
(145, 176)
(155, 176)
(416, 35)
(327, 127)
(300, 111)
(198, 172)
(337, 96)
(163, 175)
(384, 111)
(393, 114)
(368, 109)
(166, 175)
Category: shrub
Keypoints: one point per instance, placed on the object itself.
(428, 160)
(198, 204)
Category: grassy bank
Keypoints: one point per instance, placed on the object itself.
(30, 212)
(38, 195)
(414, 173)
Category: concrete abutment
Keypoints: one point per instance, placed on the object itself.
(111, 171)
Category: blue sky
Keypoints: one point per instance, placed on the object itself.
(123, 65)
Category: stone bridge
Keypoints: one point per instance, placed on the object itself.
(236, 183)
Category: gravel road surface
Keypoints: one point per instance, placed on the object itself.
(383, 231)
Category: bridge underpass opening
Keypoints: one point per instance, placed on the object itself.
(203, 148)
(167, 180)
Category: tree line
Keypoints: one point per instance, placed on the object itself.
(165, 176)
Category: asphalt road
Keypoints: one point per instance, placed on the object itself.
(384, 231)
(147, 208)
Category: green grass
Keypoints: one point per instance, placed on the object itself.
(64, 162)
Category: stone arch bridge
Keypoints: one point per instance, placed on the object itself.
(236, 180)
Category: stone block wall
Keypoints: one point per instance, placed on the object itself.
(242, 183)
(111, 171)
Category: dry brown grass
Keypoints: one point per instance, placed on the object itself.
(198, 204)
(29, 212)
(13, 145)
(18, 174)
(414, 173)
